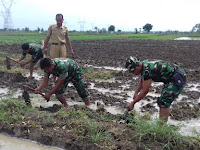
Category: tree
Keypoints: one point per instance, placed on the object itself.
(38, 29)
(111, 28)
(26, 29)
(147, 27)
(136, 31)
(196, 28)
(42, 30)
(96, 28)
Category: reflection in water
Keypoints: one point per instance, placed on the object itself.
(10, 143)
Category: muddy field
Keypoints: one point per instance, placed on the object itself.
(113, 53)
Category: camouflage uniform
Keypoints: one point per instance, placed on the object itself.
(36, 52)
(164, 72)
(69, 69)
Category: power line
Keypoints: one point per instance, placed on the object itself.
(8, 24)
(81, 23)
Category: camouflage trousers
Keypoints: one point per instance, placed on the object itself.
(171, 91)
(79, 84)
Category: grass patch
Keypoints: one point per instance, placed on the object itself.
(13, 110)
(73, 122)
(157, 134)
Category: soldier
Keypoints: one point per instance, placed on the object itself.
(170, 74)
(36, 51)
(66, 70)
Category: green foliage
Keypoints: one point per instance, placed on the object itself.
(147, 27)
(111, 28)
(196, 28)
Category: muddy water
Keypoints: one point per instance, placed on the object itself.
(10, 143)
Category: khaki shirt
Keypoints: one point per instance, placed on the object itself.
(58, 35)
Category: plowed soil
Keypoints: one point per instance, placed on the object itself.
(113, 53)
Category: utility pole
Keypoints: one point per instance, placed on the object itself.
(81, 23)
(8, 24)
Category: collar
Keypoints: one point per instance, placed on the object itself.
(59, 27)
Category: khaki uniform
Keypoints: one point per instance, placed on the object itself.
(58, 41)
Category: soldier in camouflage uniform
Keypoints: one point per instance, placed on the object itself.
(66, 70)
(36, 51)
(170, 74)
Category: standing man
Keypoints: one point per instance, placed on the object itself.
(33, 49)
(170, 74)
(67, 71)
(59, 37)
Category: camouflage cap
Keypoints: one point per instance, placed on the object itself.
(132, 63)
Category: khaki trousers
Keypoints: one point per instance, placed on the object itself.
(58, 51)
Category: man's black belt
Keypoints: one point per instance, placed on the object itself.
(57, 43)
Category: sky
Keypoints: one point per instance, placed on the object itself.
(125, 15)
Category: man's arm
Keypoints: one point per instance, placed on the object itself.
(20, 59)
(42, 85)
(70, 45)
(138, 88)
(55, 88)
(45, 45)
(145, 89)
(24, 64)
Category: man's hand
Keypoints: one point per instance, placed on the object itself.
(131, 105)
(17, 61)
(36, 91)
(47, 97)
(72, 53)
(22, 65)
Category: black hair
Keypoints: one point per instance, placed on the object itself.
(45, 63)
(25, 46)
(59, 15)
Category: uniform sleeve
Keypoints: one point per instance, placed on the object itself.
(23, 55)
(64, 74)
(146, 75)
(49, 31)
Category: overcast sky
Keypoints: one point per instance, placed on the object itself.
(127, 15)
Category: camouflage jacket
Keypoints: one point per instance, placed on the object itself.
(35, 51)
(158, 71)
(64, 68)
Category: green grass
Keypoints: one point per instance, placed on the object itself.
(165, 135)
(34, 37)
(73, 122)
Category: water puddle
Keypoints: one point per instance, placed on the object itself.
(107, 67)
(36, 75)
(11, 143)
(187, 38)
(6, 93)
